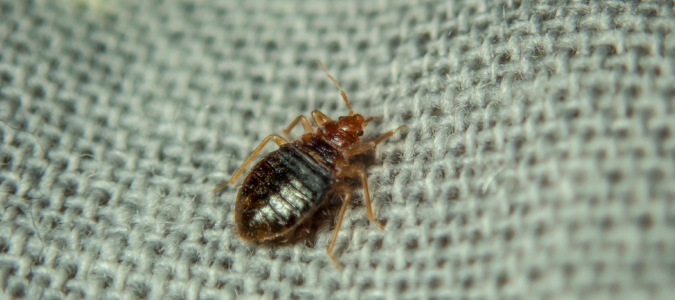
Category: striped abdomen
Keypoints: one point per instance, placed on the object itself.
(283, 189)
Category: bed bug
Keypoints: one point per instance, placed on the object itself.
(288, 185)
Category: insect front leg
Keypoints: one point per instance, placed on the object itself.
(354, 171)
(306, 125)
(279, 140)
(319, 117)
(360, 148)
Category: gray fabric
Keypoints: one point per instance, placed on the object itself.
(539, 162)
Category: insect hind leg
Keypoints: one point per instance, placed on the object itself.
(346, 191)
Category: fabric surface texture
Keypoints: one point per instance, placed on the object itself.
(539, 162)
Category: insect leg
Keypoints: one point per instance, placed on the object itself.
(353, 171)
(370, 145)
(343, 209)
(319, 117)
(279, 140)
(305, 125)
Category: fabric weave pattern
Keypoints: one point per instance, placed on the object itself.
(539, 161)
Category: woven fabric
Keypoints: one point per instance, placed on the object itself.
(539, 162)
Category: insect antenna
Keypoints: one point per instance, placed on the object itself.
(344, 96)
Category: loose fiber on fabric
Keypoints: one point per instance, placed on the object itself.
(539, 162)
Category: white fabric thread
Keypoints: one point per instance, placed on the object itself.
(539, 162)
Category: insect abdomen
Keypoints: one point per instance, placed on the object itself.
(280, 191)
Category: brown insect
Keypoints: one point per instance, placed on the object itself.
(288, 185)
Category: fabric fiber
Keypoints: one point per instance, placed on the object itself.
(538, 163)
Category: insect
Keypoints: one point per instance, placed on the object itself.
(287, 186)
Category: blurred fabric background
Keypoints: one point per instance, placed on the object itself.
(539, 161)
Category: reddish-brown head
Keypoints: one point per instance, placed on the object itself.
(347, 130)
(353, 124)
